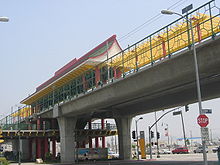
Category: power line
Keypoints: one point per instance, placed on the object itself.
(151, 20)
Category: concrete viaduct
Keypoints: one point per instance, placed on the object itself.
(168, 83)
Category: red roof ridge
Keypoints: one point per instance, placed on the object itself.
(73, 63)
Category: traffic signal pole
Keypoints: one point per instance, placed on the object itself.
(158, 154)
(149, 129)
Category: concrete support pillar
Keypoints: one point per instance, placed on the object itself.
(67, 139)
(124, 136)
(25, 149)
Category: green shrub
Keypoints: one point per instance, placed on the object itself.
(3, 161)
(48, 156)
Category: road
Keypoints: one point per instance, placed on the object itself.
(172, 159)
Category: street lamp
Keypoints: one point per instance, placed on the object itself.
(4, 19)
(136, 121)
(168, 12)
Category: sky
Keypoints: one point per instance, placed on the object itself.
(44, 35)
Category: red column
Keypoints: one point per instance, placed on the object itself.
(54, 148)
(117, 73)
(46, 149)
(97, 142)
(97, 75)
(38, 147)
(163, 46)
(90, 139)
(30, 149)
(83, 144)
(84, 83)
(38, 124)
(199, 32)
(103, 137)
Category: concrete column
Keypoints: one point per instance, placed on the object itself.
(124, 136)
(67, 139)
(25, 149)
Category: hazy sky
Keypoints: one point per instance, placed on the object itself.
(44, 35)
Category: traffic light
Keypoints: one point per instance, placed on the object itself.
(1, 136)
(158, 135)
(133, 135)
(151, 134)
(186, 108)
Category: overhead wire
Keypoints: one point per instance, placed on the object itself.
(151, 20)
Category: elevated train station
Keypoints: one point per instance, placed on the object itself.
(52, 112)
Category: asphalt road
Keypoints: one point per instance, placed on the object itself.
(172, 159)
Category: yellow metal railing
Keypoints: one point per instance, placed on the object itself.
(167, 41)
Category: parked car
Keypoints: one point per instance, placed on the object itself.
(180, 150)
(215, 149)
(200, 150)
(153, 151)
(165, 151)
(112, 155)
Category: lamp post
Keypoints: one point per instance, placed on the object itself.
(19, 136)
(168, 12)
(4, 19)
(136, 121)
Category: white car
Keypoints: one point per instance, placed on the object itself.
(200, 150)
(112, 155)
(165, 151)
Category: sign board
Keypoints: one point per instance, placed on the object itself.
(176, 113)
(207, 111)
(203, 120)
(142, 135)
(187, 8)
(205, 133)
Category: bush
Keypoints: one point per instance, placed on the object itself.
(3, 161)
(48, 156)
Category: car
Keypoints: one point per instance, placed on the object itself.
(113, 155)
(153, 151)
(165, 151)
(215, 149)
(200, 150)
(180, 150)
